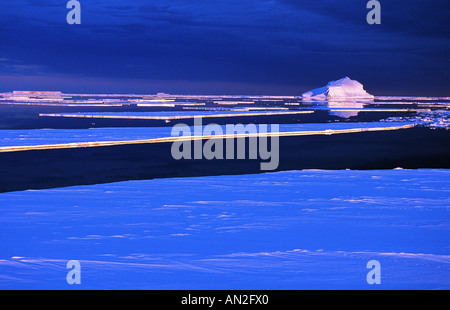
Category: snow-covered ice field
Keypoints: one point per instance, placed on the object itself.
(286, 230)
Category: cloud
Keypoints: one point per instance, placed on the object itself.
(283, 42)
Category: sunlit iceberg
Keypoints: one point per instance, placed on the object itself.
(343, 88)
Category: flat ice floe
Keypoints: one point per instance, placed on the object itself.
(284, 230)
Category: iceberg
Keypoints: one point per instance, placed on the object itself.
(343, 88)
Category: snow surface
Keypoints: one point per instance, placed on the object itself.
(343, 88)
(287, 230)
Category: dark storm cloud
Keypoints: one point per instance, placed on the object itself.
(300, 44)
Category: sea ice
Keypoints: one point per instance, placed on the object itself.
(343, 88)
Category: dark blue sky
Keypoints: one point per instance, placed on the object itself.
(276, 47)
